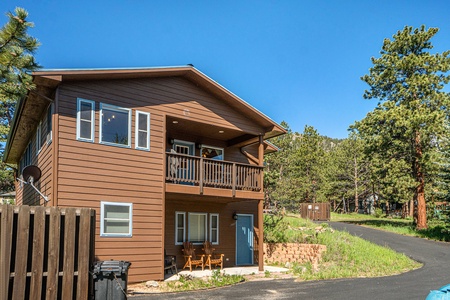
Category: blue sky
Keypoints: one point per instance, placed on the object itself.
(297, 61)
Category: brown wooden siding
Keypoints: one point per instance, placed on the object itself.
(89, 173)
(25, 194)
(227, 225)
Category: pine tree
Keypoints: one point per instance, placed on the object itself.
(410, 118)
(16, 63)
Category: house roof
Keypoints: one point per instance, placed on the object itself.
(30, 108)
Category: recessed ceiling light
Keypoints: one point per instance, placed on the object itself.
(175, 122)
(221, 131)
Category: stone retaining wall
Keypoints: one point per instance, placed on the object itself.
(284, 253)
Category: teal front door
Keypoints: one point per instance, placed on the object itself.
(244, 240)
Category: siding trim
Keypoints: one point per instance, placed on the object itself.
(55, 152)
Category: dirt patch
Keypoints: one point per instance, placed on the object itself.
(155, 287)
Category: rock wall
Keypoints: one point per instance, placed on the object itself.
(284, 253)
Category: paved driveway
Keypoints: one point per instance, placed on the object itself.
(412, 285)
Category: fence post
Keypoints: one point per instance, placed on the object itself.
(6, 224)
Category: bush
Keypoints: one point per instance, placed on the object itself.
(378, 212)
(275, 229)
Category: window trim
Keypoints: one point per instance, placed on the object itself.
(211, 228)
(38, 138)
(206, 226)
(92, 104)
(102, 219)
(116, 108)
(49, 135)
(177, 227)
(136, 137)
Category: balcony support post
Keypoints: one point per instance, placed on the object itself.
(260, 208)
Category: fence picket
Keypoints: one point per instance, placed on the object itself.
(20, 270)
(83, 254)
(53, 253)
(6, 232)
(38, 253)
(69, 252)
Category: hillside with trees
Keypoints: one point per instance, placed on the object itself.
(398, 154)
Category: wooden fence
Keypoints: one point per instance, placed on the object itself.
(46, 252)
(315, 211)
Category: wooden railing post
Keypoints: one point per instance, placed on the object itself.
(202, 175)
(233, 179)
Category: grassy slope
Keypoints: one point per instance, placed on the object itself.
(346, 255)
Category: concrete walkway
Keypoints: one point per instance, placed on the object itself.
(412, 285)
(229, 271)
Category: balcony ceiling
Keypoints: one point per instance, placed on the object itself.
(203, 130)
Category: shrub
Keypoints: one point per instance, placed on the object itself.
(275, 229)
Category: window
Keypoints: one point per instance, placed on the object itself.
(214, 229)
(212, 152)
(180, 228)
(197, 228)
(49, 124)
(142, 130)
(116, 219)
(85, 120)
(115, 126)
(26, 158)
(38, 138)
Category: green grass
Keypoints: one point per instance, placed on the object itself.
(189, 283)
(437, 229)
(346, 255)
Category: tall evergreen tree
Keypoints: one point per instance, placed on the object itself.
(350, 174)
(308, 166)
(410, 118)
(16, 63)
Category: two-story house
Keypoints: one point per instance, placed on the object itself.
(164, 155)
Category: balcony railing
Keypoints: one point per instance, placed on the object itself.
(204, 172)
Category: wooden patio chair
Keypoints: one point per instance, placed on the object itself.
(211, 257)
(190, 258)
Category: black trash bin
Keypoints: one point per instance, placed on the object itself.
(110, 279)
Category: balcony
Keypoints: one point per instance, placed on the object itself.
(197, 175)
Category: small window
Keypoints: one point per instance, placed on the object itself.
(116, 219)
(26, 158)
(115, 125)
(212, 152)
(142, 130)
(85, 120)
(180, 228)
(197, 228)
(38, 138)
(214, 229)
(49, 124)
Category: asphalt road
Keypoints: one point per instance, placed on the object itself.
(412, 285)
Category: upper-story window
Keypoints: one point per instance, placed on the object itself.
(115, 125)
(85, 120)
(142, 138)
(212, 152)
(38, 138)
(49, 124)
